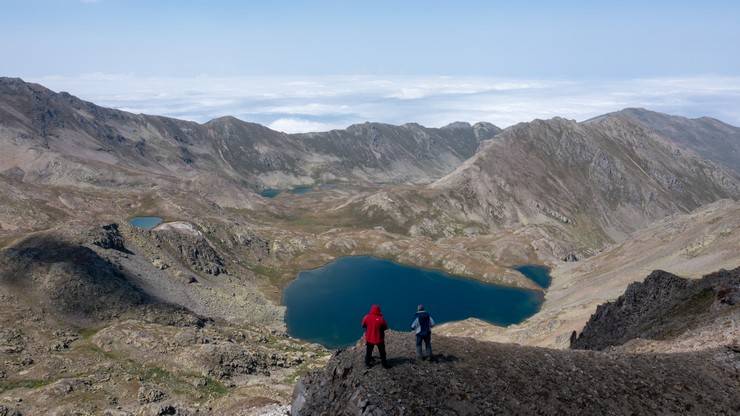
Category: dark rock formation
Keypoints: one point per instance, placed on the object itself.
(108, 237)
(570, 257)
(9, 411)
(663, 305)
(478, 378)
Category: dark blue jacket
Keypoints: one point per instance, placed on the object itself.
(423, 323)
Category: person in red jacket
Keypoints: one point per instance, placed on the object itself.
(375, 326)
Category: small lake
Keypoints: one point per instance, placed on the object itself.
(298, 190)
(270, 192)
(326, 305)
(539, 274)
(146, 223)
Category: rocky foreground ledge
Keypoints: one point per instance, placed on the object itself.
(479, 378)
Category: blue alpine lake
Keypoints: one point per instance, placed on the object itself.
(539, 274)
(146, 223)
(326, 305)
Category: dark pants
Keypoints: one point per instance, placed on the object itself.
(427, 344)
(369, 353)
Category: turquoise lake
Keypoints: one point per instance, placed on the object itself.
(326, 305)
(146, 223)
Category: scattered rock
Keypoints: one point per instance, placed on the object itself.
(12, 340)
(150, 395)
(64, 340)
(160, 264)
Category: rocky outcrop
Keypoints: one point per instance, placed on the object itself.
(226, 361)
(661, 307)
(476, 378)
(108, 237)
(148, 394)
(9, 411)
(570, 258)
(189, 244)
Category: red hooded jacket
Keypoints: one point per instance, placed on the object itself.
(374, 325)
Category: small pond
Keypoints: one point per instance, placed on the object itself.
(298, 190)
(325, 305)
(270, 192)
(146, 223)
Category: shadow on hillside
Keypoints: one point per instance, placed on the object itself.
(78, 284)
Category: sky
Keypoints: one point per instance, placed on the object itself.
(302, 66)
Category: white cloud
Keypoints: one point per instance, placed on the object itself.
(297, 125)
(295, 104)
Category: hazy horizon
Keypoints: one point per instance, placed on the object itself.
(304, 104)
(308, 66)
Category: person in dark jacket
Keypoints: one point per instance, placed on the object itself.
(423, 324)
(375, 326)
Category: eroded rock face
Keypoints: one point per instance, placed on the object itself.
(477, 378)
(191, 246)
(662, 306)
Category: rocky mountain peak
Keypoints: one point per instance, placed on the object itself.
(457, 125)
(469, 377)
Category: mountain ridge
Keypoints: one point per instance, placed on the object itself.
(240, 151)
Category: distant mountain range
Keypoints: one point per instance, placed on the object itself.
(58, 138)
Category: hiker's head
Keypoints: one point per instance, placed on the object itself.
(375, 310)
(420, 308)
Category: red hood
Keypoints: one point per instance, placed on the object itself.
(375, 310)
